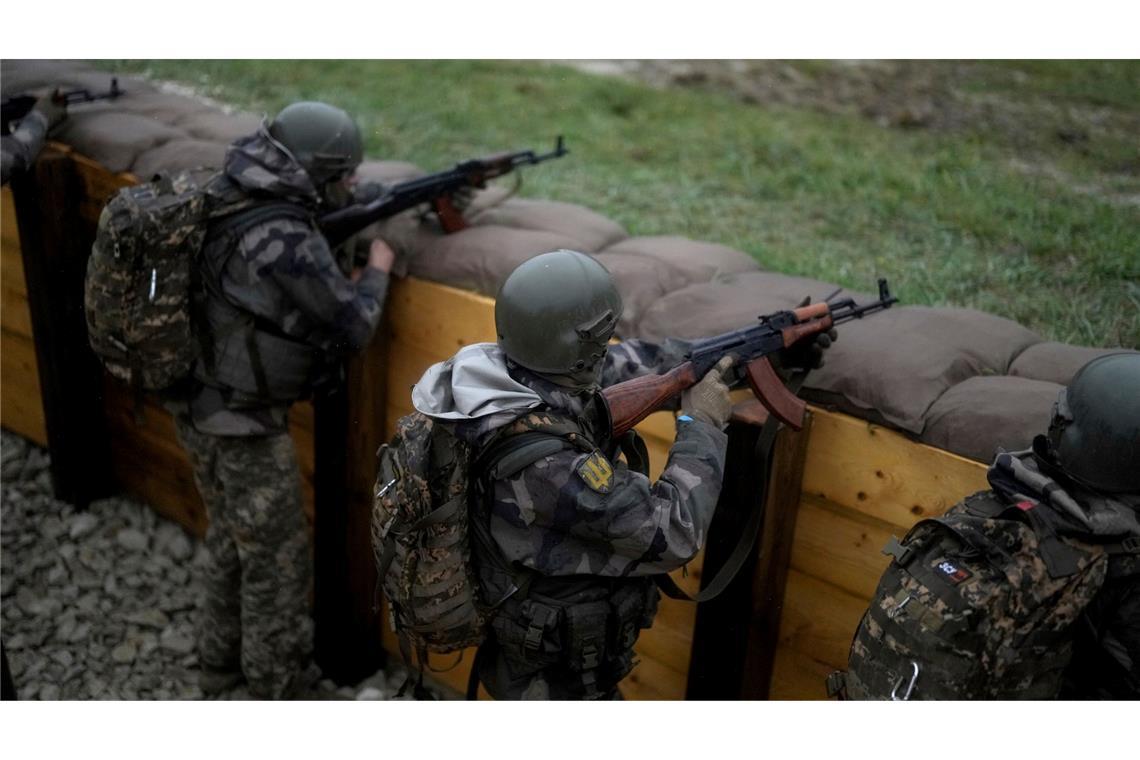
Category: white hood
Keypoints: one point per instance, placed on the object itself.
(472, 384)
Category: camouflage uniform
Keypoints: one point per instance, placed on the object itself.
(275, 303)
(19, 149)
(1068, 583)
(588, 532)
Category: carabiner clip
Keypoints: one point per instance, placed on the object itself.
(909, 688)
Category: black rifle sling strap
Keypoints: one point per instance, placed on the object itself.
(720, 580)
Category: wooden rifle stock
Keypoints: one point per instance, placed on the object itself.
(634, 400)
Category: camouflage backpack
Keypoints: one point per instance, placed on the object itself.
(976, 604)
(427, 488)
(137, 294)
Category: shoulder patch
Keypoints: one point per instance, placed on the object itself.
(597, 472)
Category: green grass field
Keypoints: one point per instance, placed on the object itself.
(1030, 211)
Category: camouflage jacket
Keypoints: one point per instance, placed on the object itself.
(282, 275)
(558, 516)
(19, 149)
(1106, 652)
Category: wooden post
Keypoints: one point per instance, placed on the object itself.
(775, 552)
(349, 427)
(55, 242)
(733, 639)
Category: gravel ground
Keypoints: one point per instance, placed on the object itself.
(98, 604)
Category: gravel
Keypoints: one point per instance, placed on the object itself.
(99, 604)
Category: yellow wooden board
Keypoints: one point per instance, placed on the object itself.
(882, 473)
(819, 619)
(21, 407)
(841, 546)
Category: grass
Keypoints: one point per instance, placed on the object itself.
(952, 218)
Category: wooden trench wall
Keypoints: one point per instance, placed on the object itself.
(860, 483)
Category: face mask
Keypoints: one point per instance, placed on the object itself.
(337, 193)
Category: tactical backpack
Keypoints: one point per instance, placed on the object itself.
(143, 267)
(427, 483)
(976, 604)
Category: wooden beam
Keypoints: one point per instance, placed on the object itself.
(735, 637)
(54, 244)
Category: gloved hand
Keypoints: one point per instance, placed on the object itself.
(708, 400)
(463, 197)
(807, 353)
(53, 111)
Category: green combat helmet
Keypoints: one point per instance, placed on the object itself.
(324, 140)
(1095, 432)
(555, 314)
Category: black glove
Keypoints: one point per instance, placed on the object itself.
(806, 353)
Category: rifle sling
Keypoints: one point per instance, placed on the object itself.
(728, 571)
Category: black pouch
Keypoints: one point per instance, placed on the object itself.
(586, 626)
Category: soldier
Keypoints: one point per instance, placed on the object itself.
(19, 149)
(278, 311)
(1044, 564)
(575, 536)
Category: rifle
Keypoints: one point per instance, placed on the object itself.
(338, 226)
(17, 107)
(630, 402)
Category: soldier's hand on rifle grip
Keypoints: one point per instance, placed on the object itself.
(52, 107)
(462, 198)
(708, 400)
(380, 256)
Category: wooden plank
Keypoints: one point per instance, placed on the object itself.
(819, 619)
(798, 676)
(884, 474)
(9, 230)
(439, 319)
(21, 410)
(15, 316)
(841, 546)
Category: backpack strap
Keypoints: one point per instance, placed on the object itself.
(233, 223)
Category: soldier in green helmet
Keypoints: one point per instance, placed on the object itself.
(573, 537)
(278, 310)
(1030, 590)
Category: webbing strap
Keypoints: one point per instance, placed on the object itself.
(751, 531)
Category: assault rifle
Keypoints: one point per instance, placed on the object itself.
(436, 189)
(630, 402)
(17, 107)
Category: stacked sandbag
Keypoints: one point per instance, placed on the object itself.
(958, 379)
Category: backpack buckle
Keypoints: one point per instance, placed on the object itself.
(1131, 545)
(539, 617)
(590, 656)
(902, 554)
(837, 685)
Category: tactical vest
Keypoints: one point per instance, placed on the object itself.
(251, 359)
(579, 630)
(979, 603)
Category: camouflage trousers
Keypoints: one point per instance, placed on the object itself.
(254, 614)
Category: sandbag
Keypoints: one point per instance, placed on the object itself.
(697, 260)
(115, 140)
(168, 108)
(179, 154)
(216, 126)
(900, 361)
(642, 282)
(593, 230)
(1055, 362)
(975, 416)
(388, 172)
(480, 258)
(702, 310)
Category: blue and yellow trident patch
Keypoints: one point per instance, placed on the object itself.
(597, 472)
